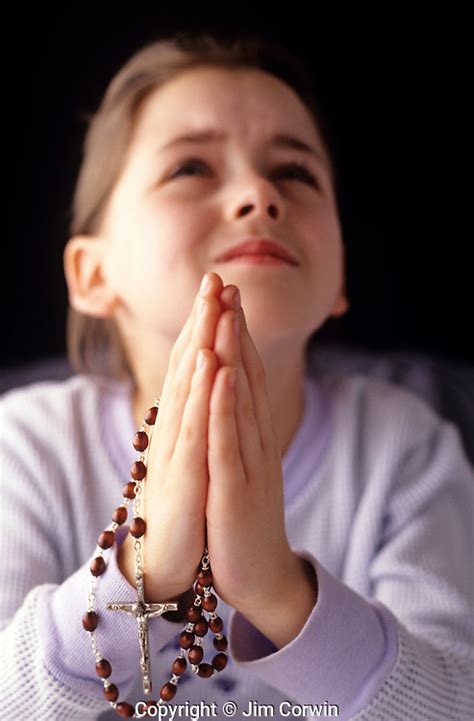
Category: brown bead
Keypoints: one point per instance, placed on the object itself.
(124, 709)
(179, 666)
(140, 441)
(90, 621)
(103, 668)
(106, 539)
(111, 693)
(205, 670)
(137, 527)
(201, 627)
(97, 566)
(129, 490)
(216, 624)
(219, 661)
(168, 691)
(199, 589)
(193, 614)
(186, 639)
(150, 415)
(195, 654)
(138, 470)
(205, 578)
(209, 603)
(220, 643)
(119, 515)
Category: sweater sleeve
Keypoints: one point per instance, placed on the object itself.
(48, 666)
(405, 651)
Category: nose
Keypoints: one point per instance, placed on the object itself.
(257, 197)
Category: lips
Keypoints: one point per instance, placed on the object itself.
(259, 247)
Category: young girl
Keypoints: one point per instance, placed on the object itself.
(205, 250)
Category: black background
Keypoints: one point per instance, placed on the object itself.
(395, 88)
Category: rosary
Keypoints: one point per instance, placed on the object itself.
(190, 639)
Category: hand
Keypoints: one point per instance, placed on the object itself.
(177, 474)
(253, 566)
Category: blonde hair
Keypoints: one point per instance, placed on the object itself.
(93, 344)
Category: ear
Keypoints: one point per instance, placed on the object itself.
(341, 305)
(88, 289)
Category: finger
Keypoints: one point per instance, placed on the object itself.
(213, 289)
(228, 352)
(255, 371)
(190, 451)
(177, 390)
(224, 457)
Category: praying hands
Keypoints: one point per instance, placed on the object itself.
(215, 477)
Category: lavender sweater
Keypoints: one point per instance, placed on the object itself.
(379, 498)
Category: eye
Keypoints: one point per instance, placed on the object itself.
(299, 171)
(191, 163)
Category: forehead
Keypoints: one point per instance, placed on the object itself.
(247, 104)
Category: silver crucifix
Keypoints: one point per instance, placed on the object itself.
(143, 612)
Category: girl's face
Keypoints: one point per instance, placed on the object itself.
(179, 204)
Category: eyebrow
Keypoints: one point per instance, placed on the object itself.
(279, 140)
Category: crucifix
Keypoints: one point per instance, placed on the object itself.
(143, 612)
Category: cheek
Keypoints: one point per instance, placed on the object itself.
(179, 227)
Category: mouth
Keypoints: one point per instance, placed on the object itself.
(256, 259)
(258, 252)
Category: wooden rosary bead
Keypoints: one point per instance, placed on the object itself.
(90, 621)
(111, 693)
(150, 416)
(209, 603)
(140, 441)
(201, 627)
(219, 661)
(97, 566)
(119, 515)
(199, 589)
(205, 670)
(129, 490)
(103, 668)
(138, 470)
(195, 654)
(124, 709)
(168, 691)
(179, 666)
(137, 527)
(106, 539)
(216, 624)
(205, 577)
(220, 643)
(193, 614)
(186, 639)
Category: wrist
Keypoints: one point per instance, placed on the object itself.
(286, 607)
(156, 591)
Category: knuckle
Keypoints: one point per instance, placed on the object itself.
(190, 434)
(221, 451)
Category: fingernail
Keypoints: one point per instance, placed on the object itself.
(204, 284)
(236, 299)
